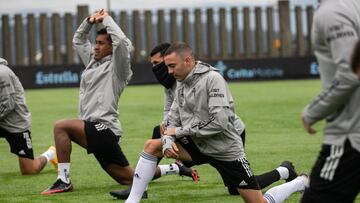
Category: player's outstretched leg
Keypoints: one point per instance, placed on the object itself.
(281, 192)
(186, 171)
(286, 171)
(175, 168)
(30, 166)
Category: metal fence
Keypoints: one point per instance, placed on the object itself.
(235, 33)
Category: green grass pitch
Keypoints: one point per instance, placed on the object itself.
(270, 110)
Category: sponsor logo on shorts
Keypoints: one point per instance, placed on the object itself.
(21, 152)
(100, 127)
(243, 183)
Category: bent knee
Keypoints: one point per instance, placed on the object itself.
(60, 125)
(153, 146)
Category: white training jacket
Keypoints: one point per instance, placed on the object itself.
(103, 81)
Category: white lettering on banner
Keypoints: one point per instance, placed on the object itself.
(255, 73)
(65, 77)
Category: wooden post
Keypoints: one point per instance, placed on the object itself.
(19, 48)
(31, 39)
(198, 35)
(161, 26)
(44, 39)
(309, 17)
(247, 33)
(149, 32)
(272, 51)
(210, 33)
(68, 38)
(285, 32)
(235, 33)
(137, 34)
(82, 13)
(124, 22)
(186, 26)
(173, 26)
(300, 45)
(223, 34)
(6, 39)
(56, 38)
(259, 33)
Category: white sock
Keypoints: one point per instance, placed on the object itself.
(169, 169)
(284, 172)
(64, 172)
(144, 172)
(281, 192)
(49, 155)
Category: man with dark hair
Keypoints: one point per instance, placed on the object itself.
(98, 128)
(335, 176)
(201, 128)
(15, 123)
(161, 73)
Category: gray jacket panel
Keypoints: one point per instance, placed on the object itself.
(14, 114)
(336, 29)
(203, 109)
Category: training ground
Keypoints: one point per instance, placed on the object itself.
(270, 110)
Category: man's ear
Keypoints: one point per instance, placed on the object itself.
(188, 60)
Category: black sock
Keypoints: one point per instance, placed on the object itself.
(268, 178)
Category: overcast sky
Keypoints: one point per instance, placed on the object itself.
(50, 6)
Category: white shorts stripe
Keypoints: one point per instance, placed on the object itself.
(245, 165)
(332, 162)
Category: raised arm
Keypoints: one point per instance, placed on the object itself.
(81, 42)
(122, 48)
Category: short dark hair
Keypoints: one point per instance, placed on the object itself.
(160, 48)
(355, 59)
(103, 31)
(179, 48)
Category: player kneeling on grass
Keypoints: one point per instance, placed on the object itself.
(285, 171)
(98, 129)
(169, 83)
(15, 123)
(200, 129)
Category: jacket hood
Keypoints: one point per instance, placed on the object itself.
(199, 69)
(3, 62)
(202, 67)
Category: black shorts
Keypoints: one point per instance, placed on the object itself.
(20, 143)
(156, 132)
(235, 174)
(335, 176)
(103, 143)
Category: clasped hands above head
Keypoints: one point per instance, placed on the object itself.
(98, 16)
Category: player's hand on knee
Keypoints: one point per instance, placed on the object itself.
(169, 147)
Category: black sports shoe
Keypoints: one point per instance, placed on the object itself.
(57, 187)
(291, 168)
(124, 194)
(185, 171)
